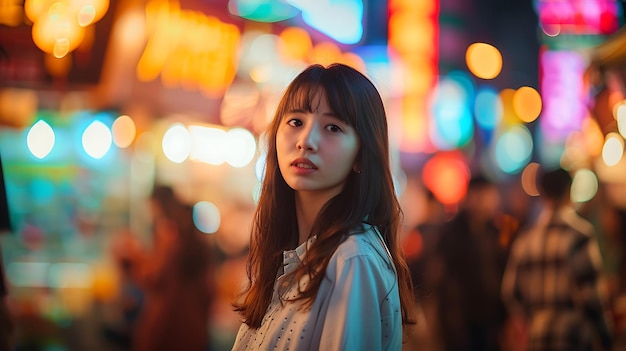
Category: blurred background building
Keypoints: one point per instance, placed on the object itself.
(102, 99)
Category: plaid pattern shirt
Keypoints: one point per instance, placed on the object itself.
(552, 279)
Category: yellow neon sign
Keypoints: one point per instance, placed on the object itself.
(188, 49)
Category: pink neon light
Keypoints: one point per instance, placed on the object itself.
(579, 16)
(563, 93)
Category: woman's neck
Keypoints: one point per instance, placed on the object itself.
(308, 206)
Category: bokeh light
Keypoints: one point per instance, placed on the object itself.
(262, 10)
(56, 32)
(124, 131)
(240, 148)
(97, 139)
(89, 11)
(527, 103)
(487, 108)
(176, 143)
(340, 19)
(40, 139)
(453, 126)
(295, 43)
(584, 186)
(208, 144)
(188, 49)
(447, 175)
(33, 9)
(206, 217)
(509, 115)
(529, 179)
(563, 91)
(594, 139)
(325, 53)
(613, 149)
(514, 149)
(483, 60)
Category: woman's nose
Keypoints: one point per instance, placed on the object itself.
(309, 139)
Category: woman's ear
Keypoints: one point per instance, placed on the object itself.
(356, 168)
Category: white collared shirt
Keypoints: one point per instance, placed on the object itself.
(357, 306)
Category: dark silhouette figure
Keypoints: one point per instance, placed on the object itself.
(551, 282)
(420, 245)
(176, 278)
(470, 314)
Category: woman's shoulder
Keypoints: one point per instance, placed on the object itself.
(363, 241)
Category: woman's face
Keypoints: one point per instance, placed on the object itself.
(316, 150)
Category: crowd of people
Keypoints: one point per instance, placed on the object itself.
(548, 279)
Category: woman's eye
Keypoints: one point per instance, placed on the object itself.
(294, 122)
(334, 128)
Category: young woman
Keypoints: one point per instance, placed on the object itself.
(325, 267)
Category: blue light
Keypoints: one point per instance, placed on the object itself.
(373, 54)
(262, 10)
(514, 149)
(453, 126)
(342, 20)
(464, 80)
(487, 108)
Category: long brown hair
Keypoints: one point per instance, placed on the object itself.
(368, 195)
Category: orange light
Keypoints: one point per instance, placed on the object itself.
(529, 179)
(527, 104)
(509, 115)
(325, 53)
(484, 60)
(36, 8)
(57, 29)
(295, 43)
(446, 175)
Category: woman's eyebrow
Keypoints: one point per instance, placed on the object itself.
(301, 110)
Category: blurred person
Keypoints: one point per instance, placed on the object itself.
(420, 243)
(516, 211)
(551, 282)
(325, 267)
(177, 281)
(469, 262)
(127, 252)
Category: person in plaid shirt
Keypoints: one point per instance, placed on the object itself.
(553, 273)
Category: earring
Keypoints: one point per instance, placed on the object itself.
(356, 170)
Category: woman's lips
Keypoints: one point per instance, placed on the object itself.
(303, 165)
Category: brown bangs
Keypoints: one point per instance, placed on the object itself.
(302, 94)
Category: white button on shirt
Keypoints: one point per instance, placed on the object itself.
(357, 306)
